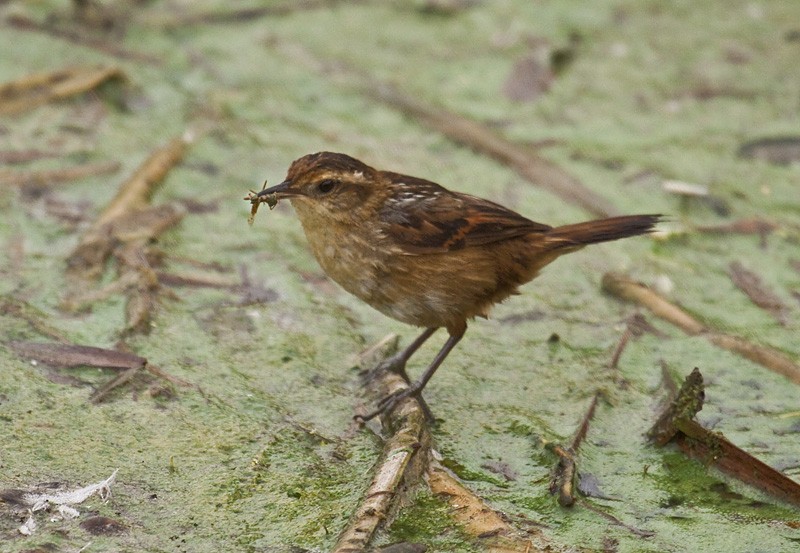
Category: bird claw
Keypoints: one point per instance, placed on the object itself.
(387, 404)
(395, 365)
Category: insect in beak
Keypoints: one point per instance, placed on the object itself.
(269, 196)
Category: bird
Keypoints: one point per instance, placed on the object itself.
(420, 253)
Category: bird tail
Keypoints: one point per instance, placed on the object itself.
(601, 230)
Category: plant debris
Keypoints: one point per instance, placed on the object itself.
(689, 192)
(754, 225)
(36, 319)
(125, 230)
(407, 456)
(750, 283)
(635, 326)
(43, 179)
(102, 526)
(684, 406)
(401, 463)
(24, 156)
(627, 289)
(529, 78)
(562, 480)
(677, 424)
(564, 475)
(239, 15)
(480, 520)
(80, 37)
(74, 355)
(34, 90)
(778, 150)
(38, 500)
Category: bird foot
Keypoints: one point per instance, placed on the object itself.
(387, 404)
(395, 364)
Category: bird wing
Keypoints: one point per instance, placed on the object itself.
(423, 218)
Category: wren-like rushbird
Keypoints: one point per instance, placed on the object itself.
(420, 253)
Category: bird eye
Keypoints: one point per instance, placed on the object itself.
(326, 186)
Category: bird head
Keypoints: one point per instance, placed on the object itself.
(329, 186)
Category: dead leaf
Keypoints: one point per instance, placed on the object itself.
(529, 78)
(778, 150)
(74, 355)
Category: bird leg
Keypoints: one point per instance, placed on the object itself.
(415, 389)
(397, 365)
(397, 362)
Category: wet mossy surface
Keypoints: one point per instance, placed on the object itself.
(258, 453)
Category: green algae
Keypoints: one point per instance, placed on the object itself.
(427, 521)
(232, 460)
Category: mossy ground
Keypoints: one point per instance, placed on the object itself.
(259, 458)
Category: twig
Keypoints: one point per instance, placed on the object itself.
(480, 520)
(562, 481)
(67, 355)
(26, 24)
(677, 424)
(122, 378)
(750, 283)
(667, 381)
(132, 260)
(159, 372)
(537, 170)
(87, 259)
(16, 307)
(621, 345)
(81, 301)
(241, 15)
(630, 290)
(635, 326)
(135, 193)
(399, 467)
(34, 90)
(617, 522)
(684, 406)
(124, 231)
(781, 150)
(763, 355)
(563, 478)
(711, 447)
(583, 428)
(197, 281)
(564, 473)
(755, 225)
(35, 179)
(25, 156)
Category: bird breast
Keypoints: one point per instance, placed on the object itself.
(349, 253)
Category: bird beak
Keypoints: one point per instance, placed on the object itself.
(269, 196)
(279, 190)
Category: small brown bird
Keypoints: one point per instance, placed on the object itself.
(420, 253)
